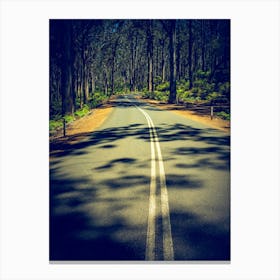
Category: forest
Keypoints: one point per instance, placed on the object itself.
(173, 61)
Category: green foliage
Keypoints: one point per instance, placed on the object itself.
(163, 87)
(195, 90)
(120, 86)
(149, 94)
(203, 86)
(184, 96)
(202, 91)
(157, 80)
(213, 96)
(156, 95)
(69, 118)
(116, 51)
(97, 99)
(199, 74)
(144, 94)
(55, 124)
(182, 86)
(122, 92)
(224, 88)
(82, 112)
(58, 123)
(161, 95)
(209, 91)
(223, 115)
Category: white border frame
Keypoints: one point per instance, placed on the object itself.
(255, 138)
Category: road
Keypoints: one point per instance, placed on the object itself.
(147, 185)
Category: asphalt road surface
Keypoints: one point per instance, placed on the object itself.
(147, 185)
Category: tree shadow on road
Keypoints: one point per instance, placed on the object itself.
(77, 234)
(199, 240)
(107, 138)
(77, 230)
(73, 237)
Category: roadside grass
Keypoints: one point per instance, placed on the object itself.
(223, 115)
(55, 124)
(56, 121)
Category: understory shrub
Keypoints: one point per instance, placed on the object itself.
(223, 115)
(97, 99)
(69, 118)
(161, 95)
(203, 90)
(55, 124)
(163, 87)
(82, 112)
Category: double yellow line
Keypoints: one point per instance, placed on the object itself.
(168, 253)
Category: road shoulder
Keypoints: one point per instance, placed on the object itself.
(81, 128)
(216, 122)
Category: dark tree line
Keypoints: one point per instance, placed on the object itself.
(93, 59)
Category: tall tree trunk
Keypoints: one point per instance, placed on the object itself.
(106, 83)
(84, 76)
(74, 89)
(163, 70)
(203, 45)
(190, 54)
(134, 66)
(150, 56)
(195, 58)
(131, 72)
(74, 74)
(92, 84)
(157, 62)
(80, 94)
(80, 86)
(85, 86)
(114, 52)
(178, 60)
(66, 71)
(112, 75)
(163, 59)
(136, 59)
(172, 55)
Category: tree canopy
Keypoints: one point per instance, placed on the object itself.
(168, 60)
